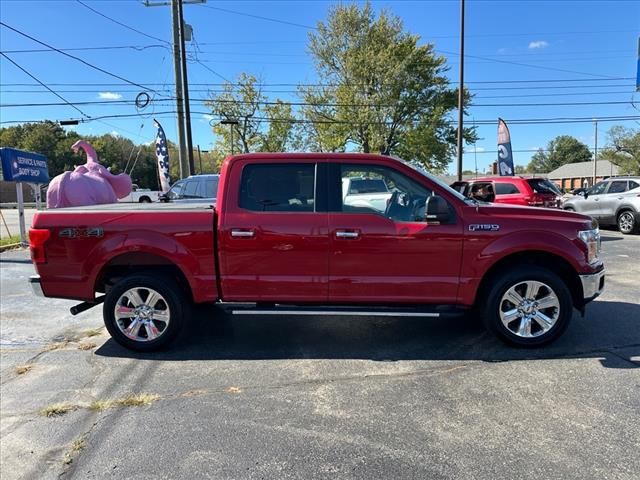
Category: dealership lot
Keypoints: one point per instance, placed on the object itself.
(292, 397)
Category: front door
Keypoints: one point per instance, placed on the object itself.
(389, 254)
(591, 204)
(273, 237)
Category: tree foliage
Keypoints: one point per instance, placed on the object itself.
(380, 91)
(560, 151)
(244, 103)
(623, 149)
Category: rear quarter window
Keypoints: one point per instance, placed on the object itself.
(506, 188)
(542, 185)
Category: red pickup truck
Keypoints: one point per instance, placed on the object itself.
(281, 240)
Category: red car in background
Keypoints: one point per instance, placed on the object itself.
(516, 190)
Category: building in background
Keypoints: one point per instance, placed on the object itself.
(577, 175)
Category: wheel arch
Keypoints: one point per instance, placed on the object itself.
(541, 258)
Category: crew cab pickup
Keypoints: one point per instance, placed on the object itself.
(282, 241)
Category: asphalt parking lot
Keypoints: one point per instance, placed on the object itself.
(307, 398)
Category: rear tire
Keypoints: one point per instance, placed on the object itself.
(528, 306)
(145, 312)
(145, 200)
(627, 222)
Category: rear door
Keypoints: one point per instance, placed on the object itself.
(610, 200)
(390, 254)
(274, 238)
(508, 192)
(591, 204)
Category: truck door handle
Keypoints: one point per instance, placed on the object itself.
(347, 234)
(243, 233)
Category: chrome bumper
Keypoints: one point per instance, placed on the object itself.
(34, 281)
(592, 285)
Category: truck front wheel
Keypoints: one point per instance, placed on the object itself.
(528, 306)
(145, 312)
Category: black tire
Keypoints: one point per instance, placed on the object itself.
(496, 306)
(171, 304)
(570, 209)
(626, 222)
(144, 200)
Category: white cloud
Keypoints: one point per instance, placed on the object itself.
(538, 44)
(208, 117)
(113, 133)
(109, 96)
(480, 149)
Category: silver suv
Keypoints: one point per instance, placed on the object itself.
(614, 201)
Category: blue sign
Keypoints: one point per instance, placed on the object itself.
(19, 166)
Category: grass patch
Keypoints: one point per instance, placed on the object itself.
(13, 239)
(86, 346)
(132, 400)
(233, 390)
(55, 346)
(94, 332)
(23, 369)
(76, 447)
(57, 409)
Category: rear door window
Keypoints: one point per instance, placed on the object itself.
(506, 188)
(278, 187)
(617, 186)
(191, 189)
(542, 185)
(210, 189)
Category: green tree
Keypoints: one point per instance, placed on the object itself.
(521, 169)
(560, 151)
(379, 90)
(261, 125)
(623, 149)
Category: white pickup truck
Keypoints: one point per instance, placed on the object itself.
(366, 192)
(140, 195)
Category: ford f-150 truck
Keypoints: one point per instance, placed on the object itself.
(282, 241)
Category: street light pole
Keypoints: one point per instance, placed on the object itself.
(461, 92)
(595, 152)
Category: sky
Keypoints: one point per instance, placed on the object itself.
(523, 60)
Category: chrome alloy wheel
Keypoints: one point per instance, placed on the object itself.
(529, 309)
(625, 222)
(142, 314)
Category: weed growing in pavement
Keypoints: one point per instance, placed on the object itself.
(23, 369)
(57, 409)
(132, 400)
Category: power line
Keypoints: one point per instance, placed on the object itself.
(260, 17)
(45, 86)
(120, 23)
(138, 48)
(76, 58)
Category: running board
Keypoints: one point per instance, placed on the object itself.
(434, 312)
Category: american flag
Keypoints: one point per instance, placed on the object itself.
(162, 152)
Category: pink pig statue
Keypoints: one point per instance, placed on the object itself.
(88, 184)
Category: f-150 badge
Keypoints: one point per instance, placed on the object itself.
(484, 227)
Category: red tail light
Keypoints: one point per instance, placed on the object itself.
(37, 239)
(536, 201)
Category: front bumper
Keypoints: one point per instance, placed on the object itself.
(592, 285)
(36, 286)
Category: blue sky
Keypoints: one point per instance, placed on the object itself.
(588, 49)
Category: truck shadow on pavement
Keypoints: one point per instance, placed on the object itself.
(610, 332)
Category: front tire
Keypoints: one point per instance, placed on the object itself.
(145, 200)
(529, 306)
(627, 222)
(145, 312)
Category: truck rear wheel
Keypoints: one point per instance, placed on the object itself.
(528, 306)
(145, 312)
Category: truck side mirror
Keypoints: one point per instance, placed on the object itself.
(437, 209)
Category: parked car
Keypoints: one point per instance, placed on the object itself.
(615, 201)
(141, 195)
(515, 190)
(365, 192)
(281, 241)
(193, 189)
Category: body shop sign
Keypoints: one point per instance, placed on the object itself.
(20, 166)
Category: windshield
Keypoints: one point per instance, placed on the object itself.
(421, 170)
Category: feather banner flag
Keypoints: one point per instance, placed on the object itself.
(505, 154)
(162, 152)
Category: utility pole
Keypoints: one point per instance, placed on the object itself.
(200, 158)
(185, 149)
(185, 88)
(595, 153)
(461, 92)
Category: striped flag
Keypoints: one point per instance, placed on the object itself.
(162, 152)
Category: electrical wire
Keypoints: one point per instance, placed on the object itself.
(76, 58)
(121, 24)
(66, 102)
(260, 17)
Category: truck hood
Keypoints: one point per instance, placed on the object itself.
(533, 213)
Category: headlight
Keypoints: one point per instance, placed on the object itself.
(591, 239)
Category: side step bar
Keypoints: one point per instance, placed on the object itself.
(355, 311)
